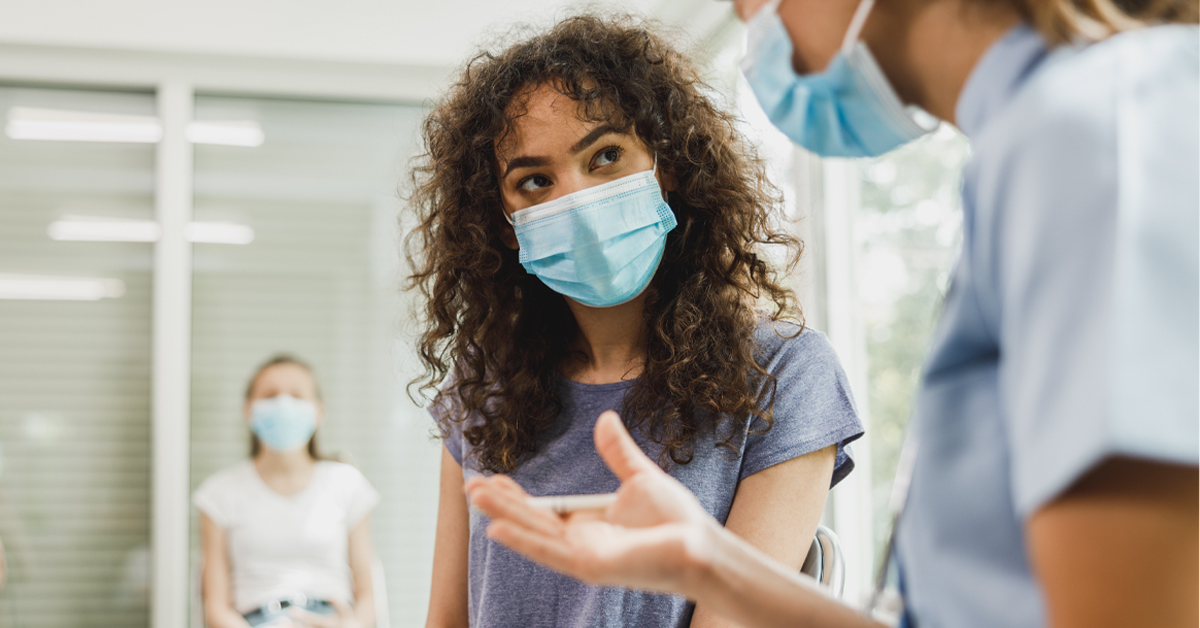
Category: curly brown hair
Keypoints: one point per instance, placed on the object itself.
(505, 334)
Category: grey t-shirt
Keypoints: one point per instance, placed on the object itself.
(813, 410)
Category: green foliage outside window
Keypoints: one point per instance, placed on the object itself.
(907, 236)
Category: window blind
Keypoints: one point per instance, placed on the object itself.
(74, 375)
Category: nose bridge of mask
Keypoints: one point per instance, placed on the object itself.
(575, 199)
(278, 405)
(591, 215)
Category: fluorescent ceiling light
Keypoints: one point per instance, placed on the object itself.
(28, 123)
(229, 133)
(88, 229)
(219, 233)
(94, 229)
(35, 287)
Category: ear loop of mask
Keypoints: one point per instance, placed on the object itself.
(856, 25)
(852, 32)
(508, 216)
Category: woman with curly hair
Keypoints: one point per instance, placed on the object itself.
(591, 239)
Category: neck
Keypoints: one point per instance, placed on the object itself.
(928, 49)
(610, 343)
(271, 462)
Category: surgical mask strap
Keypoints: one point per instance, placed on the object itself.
(856, 25)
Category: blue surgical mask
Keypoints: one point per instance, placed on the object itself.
(600, 246)
(849, 110)
(283, 423)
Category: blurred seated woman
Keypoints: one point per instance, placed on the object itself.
(286, 535)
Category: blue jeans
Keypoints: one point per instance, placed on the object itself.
(270, 614)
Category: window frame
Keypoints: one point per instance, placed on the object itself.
(828, 198)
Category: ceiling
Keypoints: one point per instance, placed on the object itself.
(426, 33)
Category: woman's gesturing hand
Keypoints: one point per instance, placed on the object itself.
(656, 536)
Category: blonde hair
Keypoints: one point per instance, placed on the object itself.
(1067, 21)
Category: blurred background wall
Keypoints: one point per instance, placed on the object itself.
(187, 188)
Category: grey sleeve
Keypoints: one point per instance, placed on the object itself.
(813, 405)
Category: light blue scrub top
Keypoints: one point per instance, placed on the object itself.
(1072, 325)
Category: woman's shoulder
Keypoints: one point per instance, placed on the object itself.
(1079, 96)
(222, 495)
(349, 487)
(235, 475)
(341, 474)
(782, 342)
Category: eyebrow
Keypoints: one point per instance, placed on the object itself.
(584, 142)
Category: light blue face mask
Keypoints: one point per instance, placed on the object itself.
(283, 423)
(600, 246)
(849, 110)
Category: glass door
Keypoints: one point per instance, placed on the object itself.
(302, 258)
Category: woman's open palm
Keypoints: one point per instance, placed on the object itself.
(643, 540)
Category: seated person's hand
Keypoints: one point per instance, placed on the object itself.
(342, 618)
(650, 538)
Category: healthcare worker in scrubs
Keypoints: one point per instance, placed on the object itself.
(1055, 435)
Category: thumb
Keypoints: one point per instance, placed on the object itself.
(617, 448)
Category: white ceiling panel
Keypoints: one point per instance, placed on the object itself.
(403, 32)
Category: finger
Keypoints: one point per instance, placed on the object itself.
(475, 482)
(499, 504)
(501, 483)
(617, 448)
(550, 551)
(509, 485)
(496, 487)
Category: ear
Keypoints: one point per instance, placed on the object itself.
(509, 237)
(320, 412)
(666, 181)
(247, 411)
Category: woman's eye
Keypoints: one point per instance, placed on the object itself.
(606, 157)
(533, 183)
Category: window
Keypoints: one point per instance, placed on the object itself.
(907, 231)
(880, 238)
(75, 301)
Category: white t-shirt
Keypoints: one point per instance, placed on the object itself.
(282, 547)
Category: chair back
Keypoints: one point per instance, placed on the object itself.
(379, 588)
(825, 563)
